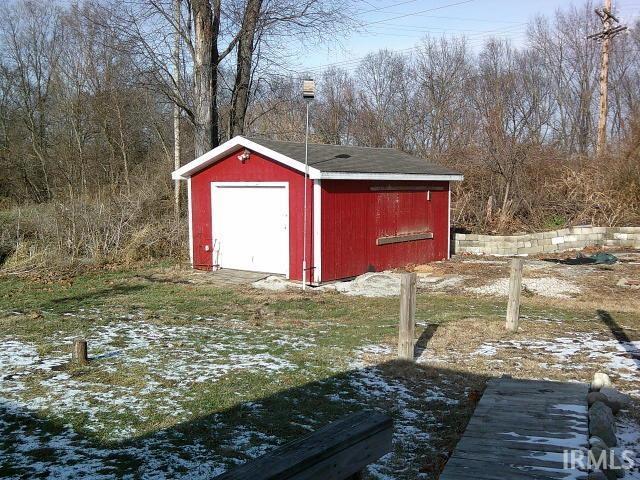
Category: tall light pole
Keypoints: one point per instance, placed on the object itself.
(308, 93)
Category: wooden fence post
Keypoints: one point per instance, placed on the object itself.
(79, 352)
(406, 337)
(515, 287)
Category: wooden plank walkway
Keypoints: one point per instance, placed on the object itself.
(520, 430)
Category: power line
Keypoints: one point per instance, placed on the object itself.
(384, 8)
(418, 13)
(356, 60)
(465, 19)
(469, 33)
(421, 28)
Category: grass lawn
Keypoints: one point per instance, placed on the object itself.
(189, 380)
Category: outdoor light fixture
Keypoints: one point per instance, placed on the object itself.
(244, 156)
(308, 89)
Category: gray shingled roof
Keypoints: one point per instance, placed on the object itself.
(349, 159)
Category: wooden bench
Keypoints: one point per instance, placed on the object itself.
(339, 451)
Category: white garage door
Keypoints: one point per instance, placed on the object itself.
(250, 223)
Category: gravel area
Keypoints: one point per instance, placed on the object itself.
(545, 286)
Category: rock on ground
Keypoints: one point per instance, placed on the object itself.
(599, 475)
(615, 396)
(602, 423)
(594, 397)
(597, 442)
(375, 284)
(600, 380)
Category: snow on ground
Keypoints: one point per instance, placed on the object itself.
(628, 434)
(546, 287)
(173, 358)
(75, 457)
(37, 391)
(611, 356)
(408, 402)
(155, 366)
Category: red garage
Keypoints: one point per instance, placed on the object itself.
(367, 209)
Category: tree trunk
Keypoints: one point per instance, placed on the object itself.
(123, 149)
(240, 97)
(205, 67)
(176, 108)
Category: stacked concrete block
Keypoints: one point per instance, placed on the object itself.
(572, 238)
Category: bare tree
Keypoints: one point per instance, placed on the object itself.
(32, 35)
(444, 74)
(177, 147)
(335, 112)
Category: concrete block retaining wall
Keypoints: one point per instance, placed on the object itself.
(573, 238)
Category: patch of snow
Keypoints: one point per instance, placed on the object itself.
(412, 421)
(167, 361)
(486, 351)
(16, 354)
(610, 355)
(173, 358)
(244, 438)
(567, 473)
(375, 349)
(72, 456)
(628, 434)
(570, 407)
(572, 440)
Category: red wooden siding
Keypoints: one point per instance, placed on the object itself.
(255, 169)
(354, 217)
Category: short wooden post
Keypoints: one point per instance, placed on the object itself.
(79, 352)
(406, 337)
(515, 287)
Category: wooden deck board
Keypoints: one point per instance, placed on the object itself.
(520, 430)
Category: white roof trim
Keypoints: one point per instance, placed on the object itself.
(229, 146)
(218, 153)
(390, 176)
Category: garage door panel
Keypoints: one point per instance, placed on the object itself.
(250, 224)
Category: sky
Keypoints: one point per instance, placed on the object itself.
(400, 24)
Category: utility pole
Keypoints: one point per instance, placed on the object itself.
(610, 29)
